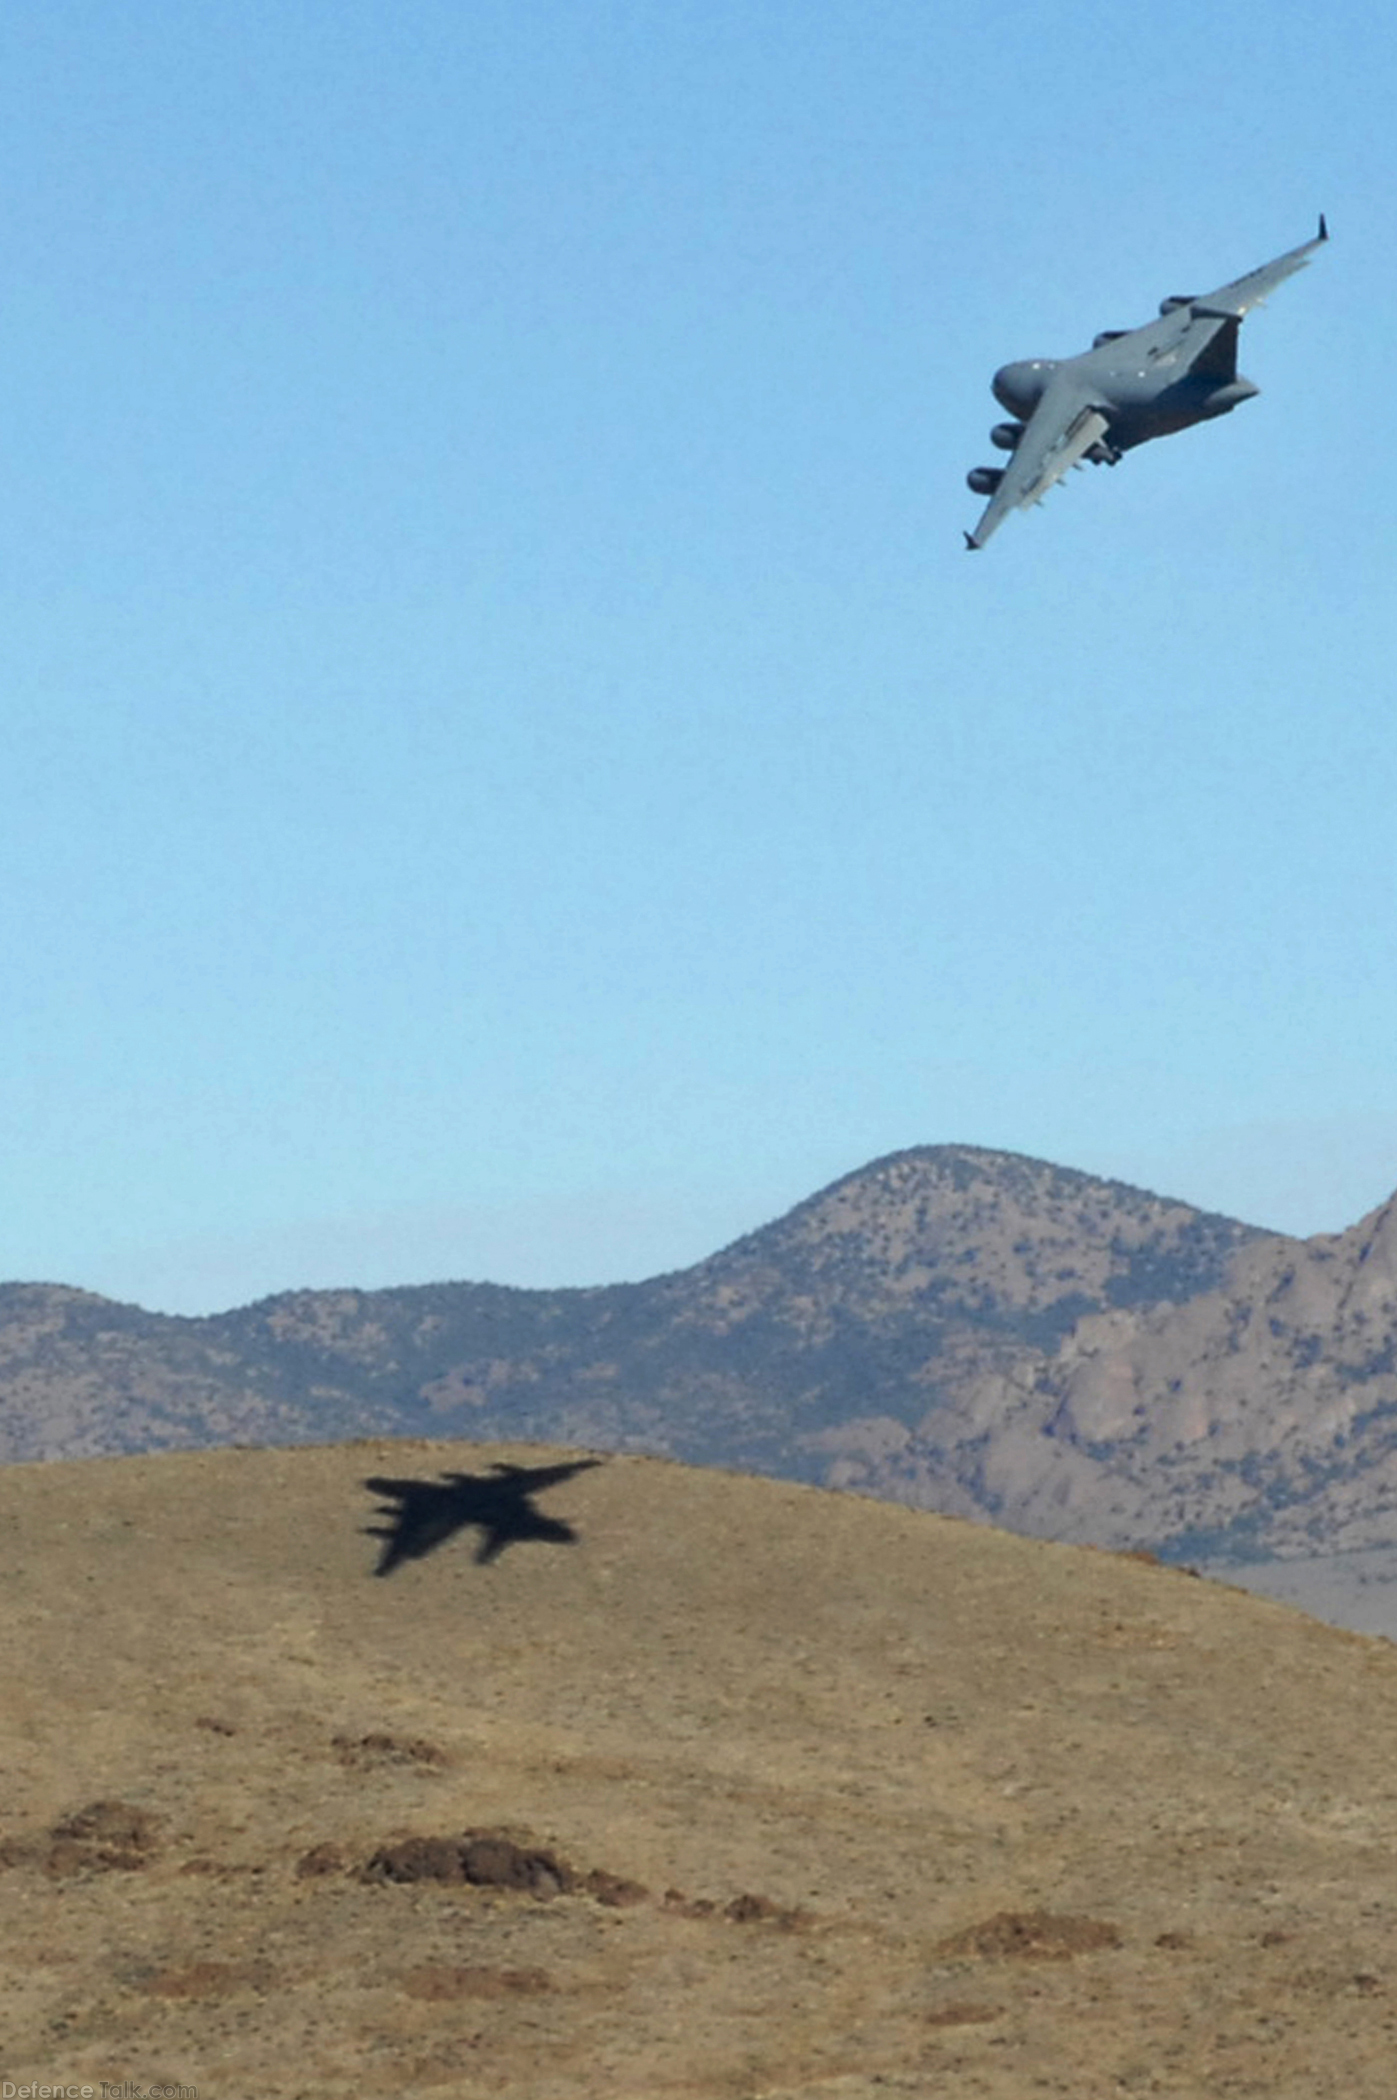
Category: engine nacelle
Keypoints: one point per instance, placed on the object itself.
(1171, 306)
(1108, 335)
(983, 481)
(1006, 435)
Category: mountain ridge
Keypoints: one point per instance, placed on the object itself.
(951, 1326)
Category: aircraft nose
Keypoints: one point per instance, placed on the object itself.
(1019, 387)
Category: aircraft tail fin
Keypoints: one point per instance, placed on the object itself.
(1217, 359)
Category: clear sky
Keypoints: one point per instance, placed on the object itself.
(509, 771)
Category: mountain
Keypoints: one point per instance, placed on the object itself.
(704, 1785)
(959, 1329)
(1269, 1403)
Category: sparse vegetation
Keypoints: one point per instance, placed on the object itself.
(1063, 1354)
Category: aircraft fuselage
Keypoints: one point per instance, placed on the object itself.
(1140, 401)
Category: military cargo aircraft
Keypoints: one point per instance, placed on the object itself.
(1132, 385)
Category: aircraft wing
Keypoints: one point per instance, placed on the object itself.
(1231, 301)
(531, 1480)
(1066, 423)
(1201, 334)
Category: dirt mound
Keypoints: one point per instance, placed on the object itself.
(210, 1979)
(485, 1859)
(364, 1753)
(105, 1836)
(1032, 1935)
(495, 1859)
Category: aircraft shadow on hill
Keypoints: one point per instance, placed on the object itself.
(423, 1514)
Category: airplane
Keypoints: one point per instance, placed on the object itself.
(1132, 385)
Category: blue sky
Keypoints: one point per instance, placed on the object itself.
(508, 769)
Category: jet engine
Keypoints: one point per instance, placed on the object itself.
(1171, 306)
(983, 481)
(1006, 435)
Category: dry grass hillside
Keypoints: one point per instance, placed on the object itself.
(695, 1785)
(953, 1328)
(894, 1331)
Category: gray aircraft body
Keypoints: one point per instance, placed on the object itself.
(1132, 385)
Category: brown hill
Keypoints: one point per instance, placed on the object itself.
(955, 1328)
(746, 1789)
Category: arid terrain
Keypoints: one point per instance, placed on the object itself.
(953, 1328)
(694, 1785)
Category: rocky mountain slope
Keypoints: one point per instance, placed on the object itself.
(959, 1329)
(702, 1786)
